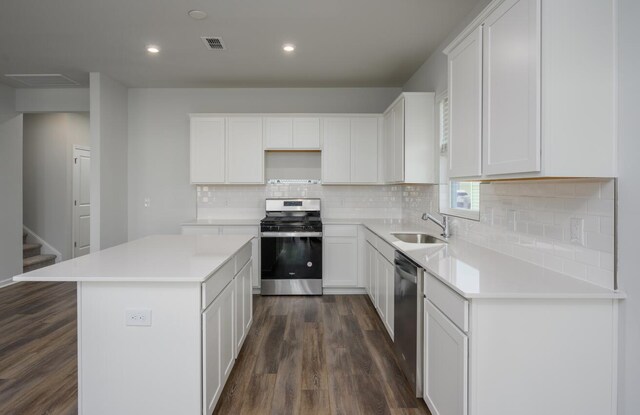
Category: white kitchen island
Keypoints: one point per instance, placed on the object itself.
(160, 321)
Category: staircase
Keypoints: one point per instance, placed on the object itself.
(32, 259)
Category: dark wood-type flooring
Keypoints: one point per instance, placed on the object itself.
(317, 355)
(38, 348)
(303, 355)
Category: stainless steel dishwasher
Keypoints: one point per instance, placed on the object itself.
(407, 323)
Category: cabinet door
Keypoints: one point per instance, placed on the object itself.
(336, 151)
(278, 133)
(445, 364)
(340, 261)
(364, 150)
(207, 149)
(211, 380)
(238, 330)
(306, 133)
(245, 159)
(227, 339)
(465, 107)
(388, 147)
(381, 283)
(398, 142)
(243, 305)
(247, 303)
(511, 88)
(390, 296)
(372, 259)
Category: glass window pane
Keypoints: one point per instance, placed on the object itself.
(464, 195)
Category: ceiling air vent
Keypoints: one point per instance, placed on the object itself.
(42, 80)
(213, 43)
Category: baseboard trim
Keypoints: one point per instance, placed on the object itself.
(7, 282)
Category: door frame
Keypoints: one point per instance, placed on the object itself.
(74, 194)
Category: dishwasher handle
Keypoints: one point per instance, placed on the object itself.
(405, 268)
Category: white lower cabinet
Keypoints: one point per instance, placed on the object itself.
(340, 256)
(379, 273)
(445, 364)
(226, 320)
(525, 356)
(372, 272)
(243, 304)
(217, 346)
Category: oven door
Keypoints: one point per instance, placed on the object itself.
(291, 256)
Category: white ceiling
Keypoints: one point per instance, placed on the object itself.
(339, 42)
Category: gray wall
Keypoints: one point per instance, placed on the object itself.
(432, 75)
(159, 139)
(47, 174)
(52, 100)
(629, 203)
(108, 129)
(10, 186)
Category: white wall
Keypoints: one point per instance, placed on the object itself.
(47, 174)
(108, 128)
(10, 186)
(159, 139)
(52, 100)
(629, 203)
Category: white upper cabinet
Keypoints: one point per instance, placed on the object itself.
(291, 133)
(245, 157)
(306, 133)
(409, 139)
(226, 149)
(532, 91)
(511, 112)
(364, 150)
(207, 150)
(278, 133)
(336, 150)
(465, 107)
(350, 150)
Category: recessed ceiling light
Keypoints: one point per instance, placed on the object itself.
(153, 49)
(197, 14)
(288, 47)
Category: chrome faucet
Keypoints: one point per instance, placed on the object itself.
(444, 224)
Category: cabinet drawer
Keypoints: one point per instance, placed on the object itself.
(448, 302)
(242, 257)
(340, 230)
(212, 287)
(386, 250)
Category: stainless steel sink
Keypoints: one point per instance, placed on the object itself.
(418, 238)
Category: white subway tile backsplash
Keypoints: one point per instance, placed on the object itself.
(513, 214)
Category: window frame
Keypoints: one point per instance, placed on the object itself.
(444, 196)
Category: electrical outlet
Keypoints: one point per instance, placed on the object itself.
(576, 232)
(138, 317)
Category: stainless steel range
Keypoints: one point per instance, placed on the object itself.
(291, 253)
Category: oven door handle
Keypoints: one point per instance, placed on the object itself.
(291, 234)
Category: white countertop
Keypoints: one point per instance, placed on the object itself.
(471, 270)
(476, 272)
(158, 258)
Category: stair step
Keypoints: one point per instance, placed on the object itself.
(29, 250)
(38, 261)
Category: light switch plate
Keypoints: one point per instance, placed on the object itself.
(138, 317)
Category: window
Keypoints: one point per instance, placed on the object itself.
(456, 198)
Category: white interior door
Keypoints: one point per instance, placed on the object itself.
(81, 201)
